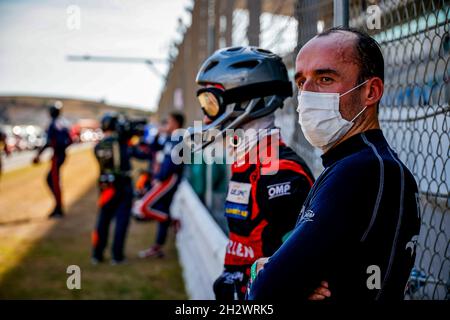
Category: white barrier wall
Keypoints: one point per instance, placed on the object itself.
(200, 243)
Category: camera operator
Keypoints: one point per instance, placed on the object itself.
(116, 191)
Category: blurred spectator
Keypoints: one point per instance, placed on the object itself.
(116, 191)
(58, 138)
(3, 148)
(156, 202)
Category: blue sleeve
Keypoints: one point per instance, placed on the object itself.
(168, 167)
(325, 228)
(157, 144)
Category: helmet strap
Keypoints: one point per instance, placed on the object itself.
(242, 117)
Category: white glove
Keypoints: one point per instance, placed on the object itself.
(136, 210)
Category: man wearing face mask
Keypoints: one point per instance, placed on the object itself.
(358, 225)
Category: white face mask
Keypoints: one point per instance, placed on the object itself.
(320, 119)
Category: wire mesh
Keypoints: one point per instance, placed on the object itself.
(414, 113)
(415, 117)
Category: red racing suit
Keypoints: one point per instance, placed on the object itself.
(263, 202)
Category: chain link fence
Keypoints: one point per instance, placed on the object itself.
(414, 113)
(415, 117)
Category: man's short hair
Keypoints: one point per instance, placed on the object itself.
(368, 53)
(178, 117)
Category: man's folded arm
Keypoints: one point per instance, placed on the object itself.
(329, 225)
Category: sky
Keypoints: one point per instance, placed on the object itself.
(37, 35)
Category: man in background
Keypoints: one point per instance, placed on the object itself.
(358, 225)
(3, 148)
(116, 190)
(155, 204)
(58, 138)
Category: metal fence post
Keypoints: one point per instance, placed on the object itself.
(340, 10)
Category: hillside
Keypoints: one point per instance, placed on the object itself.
(33, 110)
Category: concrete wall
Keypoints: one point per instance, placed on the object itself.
(200, 243)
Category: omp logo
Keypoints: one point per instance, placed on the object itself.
(279, 189)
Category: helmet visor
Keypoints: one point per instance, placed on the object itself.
(209, 103)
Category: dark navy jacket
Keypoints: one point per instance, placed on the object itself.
(108, 164)
(168, 166)
(361, 214)
(58, 138)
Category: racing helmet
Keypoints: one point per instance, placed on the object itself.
(109, 121)
(54, 109)
(240, 84)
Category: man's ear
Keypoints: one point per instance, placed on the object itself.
(374, 91)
